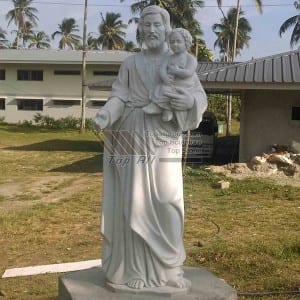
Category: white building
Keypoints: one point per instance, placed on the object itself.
(50, 82)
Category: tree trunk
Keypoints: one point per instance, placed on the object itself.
(83, 88)
(238, 9)
(229, 98)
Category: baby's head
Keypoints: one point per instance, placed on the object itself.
(184, 34)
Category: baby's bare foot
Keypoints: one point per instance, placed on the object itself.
(179, 282)
(136, 283)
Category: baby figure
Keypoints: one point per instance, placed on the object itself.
(177, 71)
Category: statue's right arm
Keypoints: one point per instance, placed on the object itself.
(109, 113)
(114, 107)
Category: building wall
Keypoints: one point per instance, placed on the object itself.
(266, 119)
(53, 87)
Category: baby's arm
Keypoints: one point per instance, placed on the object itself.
(189, 69)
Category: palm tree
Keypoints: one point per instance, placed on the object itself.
(111, 31)
(258, 4)
(92, 42)
(225, 32)
(66, 31)
(22, 14)
(39, 40)
(231, 42)
(293, 21)
(3, 41)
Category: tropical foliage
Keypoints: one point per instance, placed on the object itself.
(67, 30)
(3, 41)
(112, 31)
(293, 21)
(39, 40)
(24, 17)
(225, 34)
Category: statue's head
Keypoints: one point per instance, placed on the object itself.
(184, 34)
(154, 24)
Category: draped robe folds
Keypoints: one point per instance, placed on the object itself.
(143, 207)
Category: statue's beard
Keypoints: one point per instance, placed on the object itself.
(153, 42)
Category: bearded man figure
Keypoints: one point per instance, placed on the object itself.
(143, 206)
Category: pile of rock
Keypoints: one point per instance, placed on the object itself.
(279, 159)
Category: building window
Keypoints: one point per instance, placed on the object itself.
(2, 104)
(67, 72)
(98, 103)
(30, 104)
(106, 73)
(295, 113)
(34, 75)
(66, 102)
(2, 74)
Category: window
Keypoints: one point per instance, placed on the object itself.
(63, 102)
(2, 74)
(67, 72)
(34, 75)
(30, 104)
(295, 113)
(2, 104)
(111, 73)
(98, 103)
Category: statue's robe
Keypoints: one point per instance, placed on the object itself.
(143, 206)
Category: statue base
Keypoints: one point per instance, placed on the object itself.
(91, 284)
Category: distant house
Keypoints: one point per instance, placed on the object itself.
(49, 82)
(270, 92)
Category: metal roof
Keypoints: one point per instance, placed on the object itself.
(209, 66)
(280, 68)
(50, 56)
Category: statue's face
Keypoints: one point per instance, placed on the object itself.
(177, 42)
(154, 31)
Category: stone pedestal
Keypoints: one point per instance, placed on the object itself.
(90, 285)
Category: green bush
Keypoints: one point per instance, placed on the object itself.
(62, 123)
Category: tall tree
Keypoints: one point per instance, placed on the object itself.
(258, 4)
(4, 43)
(225, 32)
(39, 40)
(111, 31)
(92, 42)
(230, 40)
(67, 30)
(293, 21)
(22, 15)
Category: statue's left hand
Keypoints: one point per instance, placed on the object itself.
(181, 99)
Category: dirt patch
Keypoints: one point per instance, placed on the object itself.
(19, 195)
(245, 170)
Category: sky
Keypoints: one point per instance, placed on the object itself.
(264, 41)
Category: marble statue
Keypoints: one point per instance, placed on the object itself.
(177, 70)
(143, 206)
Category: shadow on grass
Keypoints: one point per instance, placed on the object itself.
(61, 145)
(89, 165)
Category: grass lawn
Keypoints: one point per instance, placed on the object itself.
(50, 202)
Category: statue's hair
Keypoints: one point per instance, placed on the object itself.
(154, 9)
(186, 36)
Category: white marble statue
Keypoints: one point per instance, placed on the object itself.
(177, 70)
(143, 206)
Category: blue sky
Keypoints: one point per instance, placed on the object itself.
(264, 37)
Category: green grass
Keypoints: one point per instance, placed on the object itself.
(248, 235)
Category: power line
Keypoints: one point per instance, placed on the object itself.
(127, 6)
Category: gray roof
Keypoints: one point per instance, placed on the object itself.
(280, 68)
(50, 56)
(209, 66)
